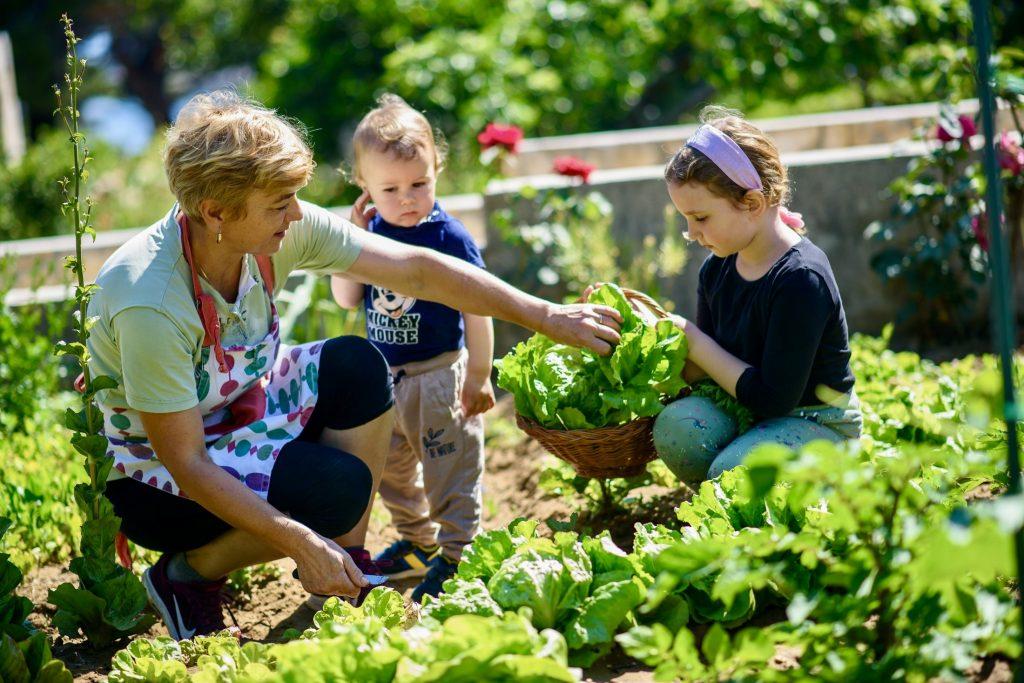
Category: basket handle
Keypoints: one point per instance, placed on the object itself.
(639, 298)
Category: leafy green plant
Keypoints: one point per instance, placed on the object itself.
(24, 653)
(930, 249)
(370, 643)
(583, 586)
(866, 553)
(730, 406)
(109, 603)
(37, 493)
(567, 388)
(309, 313)
(30, 661)
(27, 379)
(14, 609)
(934, 248)
(591, 497)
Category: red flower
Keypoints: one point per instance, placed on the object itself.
(501, 135)
(967, 130)
(573, 167)
(1011, 154)
(980, 234)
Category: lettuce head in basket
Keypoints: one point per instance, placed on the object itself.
(561, 387)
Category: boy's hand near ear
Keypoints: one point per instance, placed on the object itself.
(360, 214)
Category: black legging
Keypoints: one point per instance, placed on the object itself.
(324, 488)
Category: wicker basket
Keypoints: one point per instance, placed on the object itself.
(604, 452)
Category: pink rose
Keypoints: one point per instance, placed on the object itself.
(1010, 154)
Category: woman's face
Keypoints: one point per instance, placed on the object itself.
(714, 222)
(401, 189)
(262, 228)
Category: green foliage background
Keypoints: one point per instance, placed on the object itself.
(549, 66)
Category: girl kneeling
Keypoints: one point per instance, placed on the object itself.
(770, 327)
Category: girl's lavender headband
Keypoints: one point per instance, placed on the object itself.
(734, 163)
(726, 155)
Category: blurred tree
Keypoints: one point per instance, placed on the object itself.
(325, 60)
(150, 40)
(549, 66)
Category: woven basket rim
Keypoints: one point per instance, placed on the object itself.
(533, 424)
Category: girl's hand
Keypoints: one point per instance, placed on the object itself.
(477, 394)
(361, 215)
(682, 323)
(326, 569)
(693, 372)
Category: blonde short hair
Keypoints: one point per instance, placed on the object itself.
(689, 165)
(393, 127)
(223, 147)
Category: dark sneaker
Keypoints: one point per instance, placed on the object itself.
(188, 609)
(441, 569)
(375, 570)
(407, 559)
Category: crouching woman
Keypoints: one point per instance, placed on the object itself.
(230, 448)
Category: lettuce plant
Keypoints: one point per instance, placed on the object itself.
(562, 387)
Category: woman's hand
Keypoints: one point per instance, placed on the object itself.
(477, 394)
(326, 569)
(361, 215)
(584, 326)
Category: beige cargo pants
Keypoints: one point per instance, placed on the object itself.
(433, 476)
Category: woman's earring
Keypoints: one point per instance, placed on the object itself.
(218, 237)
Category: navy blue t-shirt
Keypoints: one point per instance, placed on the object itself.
(406, 329)
(788, 325)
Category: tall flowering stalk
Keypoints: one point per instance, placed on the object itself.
(109, 604)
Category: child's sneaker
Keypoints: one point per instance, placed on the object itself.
(187, 609)
(407, 559)
(441, 569)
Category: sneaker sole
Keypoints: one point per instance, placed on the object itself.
(159, 606)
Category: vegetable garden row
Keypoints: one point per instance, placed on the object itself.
(881, 561)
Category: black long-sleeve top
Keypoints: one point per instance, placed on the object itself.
(788, 325)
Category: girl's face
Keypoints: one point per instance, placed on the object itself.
(401, 189)
(714, 222)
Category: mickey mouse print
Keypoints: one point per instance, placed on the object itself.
(388, 321)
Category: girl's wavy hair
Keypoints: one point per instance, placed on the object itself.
(393, 127)
(688, 165)
(223, 146)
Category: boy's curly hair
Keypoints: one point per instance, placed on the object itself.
(395, 128)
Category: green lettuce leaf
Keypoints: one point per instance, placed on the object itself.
(561, 387)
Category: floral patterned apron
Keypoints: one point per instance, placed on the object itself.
(254, 399)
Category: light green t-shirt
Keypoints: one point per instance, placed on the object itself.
(148, 335)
